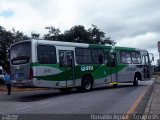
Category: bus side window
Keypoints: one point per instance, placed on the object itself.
(128, 57)
(100, 58)
(46, 54)
(97, 56)
(123, 57)
(134, 60)
(83, 56)
(136, 57)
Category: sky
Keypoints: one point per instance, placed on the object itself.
(131, 23)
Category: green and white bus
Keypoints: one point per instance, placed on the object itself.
(65, 65)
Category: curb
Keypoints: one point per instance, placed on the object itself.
(140, 106)
(147, 110)
(143, 106)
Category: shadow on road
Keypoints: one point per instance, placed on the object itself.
(42, 96)
(32, 96)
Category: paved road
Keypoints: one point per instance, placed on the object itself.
(103, 100)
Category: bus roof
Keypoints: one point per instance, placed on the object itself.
(73, 44)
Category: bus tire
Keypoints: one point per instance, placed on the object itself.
(65, 90)
(135, 82)
(87, 84)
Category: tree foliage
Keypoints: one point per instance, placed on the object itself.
(79, 34)
(6, 39)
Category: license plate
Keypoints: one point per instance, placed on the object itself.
(19, 75)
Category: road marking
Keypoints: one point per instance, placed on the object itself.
(22, 107)
(136, 103)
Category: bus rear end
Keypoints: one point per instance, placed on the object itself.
(20, 60)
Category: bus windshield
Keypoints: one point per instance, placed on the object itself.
(20, 53)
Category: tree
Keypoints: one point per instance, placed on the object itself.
(53, 34)
(79, 34)
(6, 39)
(98, 37)
(18, 36)
(35, 35)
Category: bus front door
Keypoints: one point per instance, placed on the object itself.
(146, 67)
(66, 61)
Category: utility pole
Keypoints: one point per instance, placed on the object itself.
(158, 45)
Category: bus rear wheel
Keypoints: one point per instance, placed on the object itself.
(135, 82)
(87, 84)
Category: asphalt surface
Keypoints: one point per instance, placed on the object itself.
(102, 100)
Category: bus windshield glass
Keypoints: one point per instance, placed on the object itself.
(20, 53)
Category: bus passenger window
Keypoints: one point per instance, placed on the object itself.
(83, 56)
(97, 56)
(46, 54)
(138, 57)
(128, 57)
(133, 54)
(100, 56)
(123, 57)
(100, 59)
